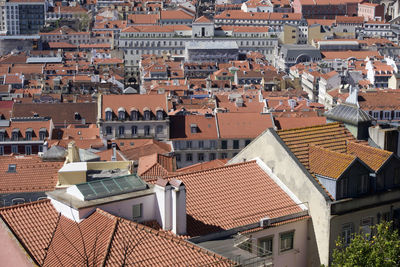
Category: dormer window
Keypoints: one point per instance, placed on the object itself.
(193, 128)
(146, 114)
(134, 114)
(77, 116)
(108, 112)
(15, 135)
(160, 114)
(12, 168)
(121, 114)
(28, 134)
(42, 133)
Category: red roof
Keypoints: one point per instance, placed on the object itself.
(232, 196)
(99, 240)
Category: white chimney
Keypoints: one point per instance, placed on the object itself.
(178, 207)
(114, 155)
(163, 189)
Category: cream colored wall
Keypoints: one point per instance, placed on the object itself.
(296, 178)
(70, 178)
(295, 257)
(109, 165)
(393, 83)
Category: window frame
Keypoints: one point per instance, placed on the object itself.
(140, 206)
(261, 250)
(283, 247)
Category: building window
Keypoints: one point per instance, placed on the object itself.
(224, 155)
(14, 136)
(2, 136)
(14, 149)
(286, 241)
(342, 192)
(201, 144)
(28, 135)
(213, 144)
(265, 246)
(160, 115)
(108, 130)
(189, 157)
(200, 157)
(146, 130)
(134, 115)
(121, 130)
(134, 130)
(397, 114)
(212, 156)
(28, 150)
(224, 144)
(375, 114)
(42, 135)
(347, 233)
(159, 129)
(121, 115)
(137, 211)
(178, 157)
(1, 150)
(188, 144)
(386, 115)
(147, 115)
(235, 144)
(365, 226)
(108, 115)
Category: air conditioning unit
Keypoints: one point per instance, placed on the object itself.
(265, 222)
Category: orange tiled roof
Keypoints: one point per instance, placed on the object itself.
(243, 125)
(380, 100)
(181, 127)
(328, 163)
(100, 239)
(31, 175)
(33, 224)
(375, 158)
(286, 123)
(203, 166)
(333, 136)
(141, 147)
(232, 196)
(154, 166)
(360, 55)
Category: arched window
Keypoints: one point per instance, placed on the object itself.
(108, 112)
(134, 114)
(146, 114)
(160, 114)
(121, 114)
(28, 134)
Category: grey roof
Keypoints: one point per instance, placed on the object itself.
(290, 50)
(86, 156)
(212, 45)
(55, 153)
(348, 113)
(44, 60)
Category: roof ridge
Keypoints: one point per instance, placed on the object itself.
(51, 239)
(346, 155)
(25, 204)
(216, 168)
(311, 127)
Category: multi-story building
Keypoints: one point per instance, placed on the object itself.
(133, 116)
(290, 55)
(24, 17)
(325, 9)
(199, 138)
(140, 40)
(371, 11)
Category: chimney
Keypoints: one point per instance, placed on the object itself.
(114, 155)
(163, 190)
(178, 207)
(73, 153)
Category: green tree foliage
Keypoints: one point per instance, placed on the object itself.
(381, 248)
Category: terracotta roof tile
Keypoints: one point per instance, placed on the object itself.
(203, 166)
(141, 147)
(155, 166)
(333, 136)
(181, 127)
(328, 163)
(243, 125)
(375, 158)
(33, 224)
(232, 196)
(286, 123)
(31, 175)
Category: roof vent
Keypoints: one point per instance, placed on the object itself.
(12, 168)
(265, 222)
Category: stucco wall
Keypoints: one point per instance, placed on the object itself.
(292, 173)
